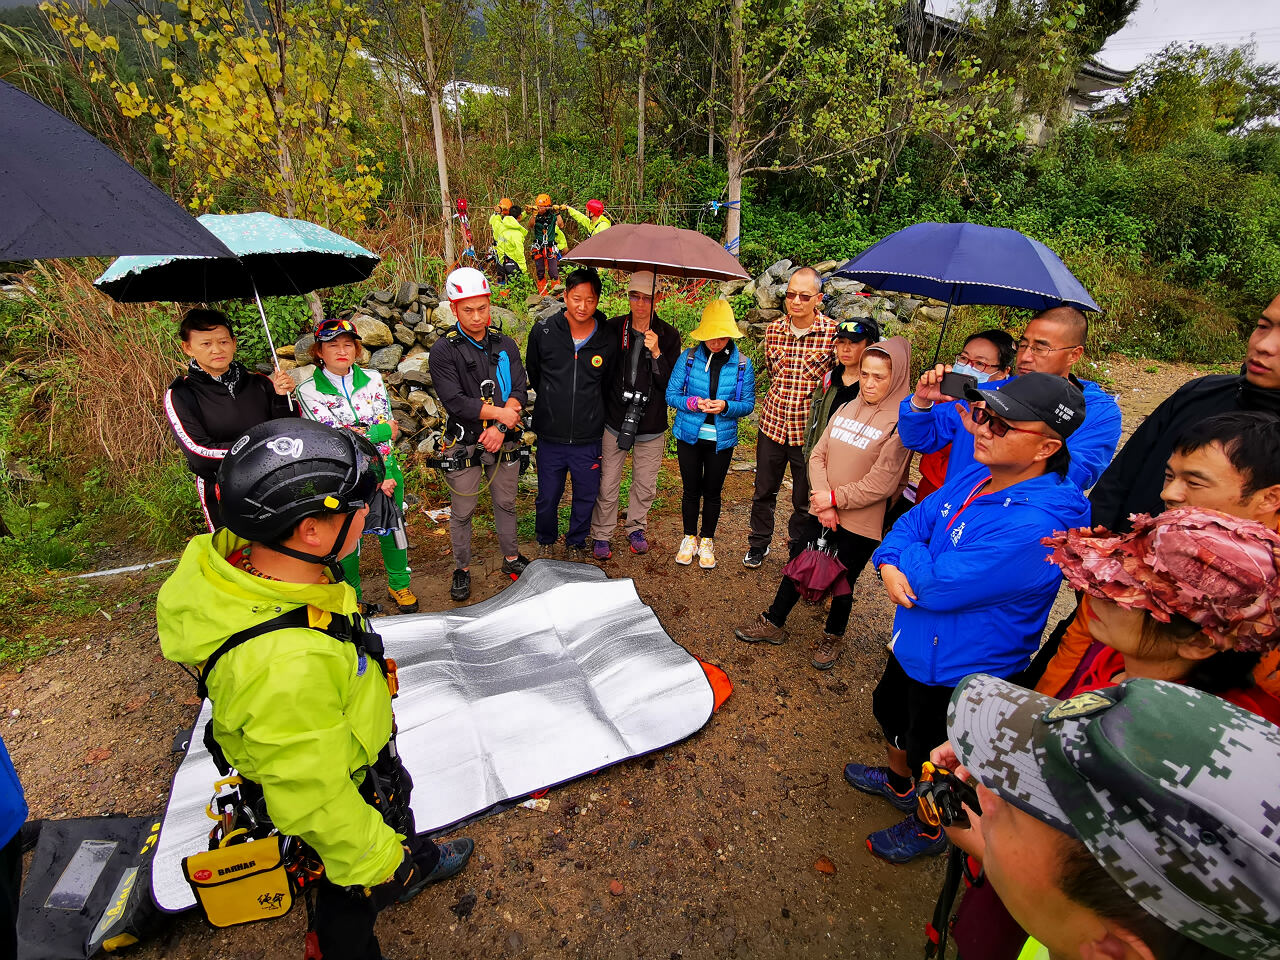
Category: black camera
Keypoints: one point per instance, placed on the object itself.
(636, 402)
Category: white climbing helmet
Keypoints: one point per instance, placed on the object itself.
(466, 282)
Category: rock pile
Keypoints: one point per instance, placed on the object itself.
(844, 299)
(398, 329)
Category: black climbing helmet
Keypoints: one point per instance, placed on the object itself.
(282, 471)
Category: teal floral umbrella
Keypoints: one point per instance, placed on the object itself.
(274, 256)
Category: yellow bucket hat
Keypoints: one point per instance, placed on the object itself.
(717, 321)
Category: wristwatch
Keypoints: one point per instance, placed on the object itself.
(502, 428)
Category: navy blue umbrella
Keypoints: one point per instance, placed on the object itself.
(64, 194)
(962, 263)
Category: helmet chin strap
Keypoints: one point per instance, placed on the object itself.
(330, 560)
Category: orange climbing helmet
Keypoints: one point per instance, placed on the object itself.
(543, 200)
(505, 205)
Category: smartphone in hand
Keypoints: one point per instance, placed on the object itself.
(955, 384)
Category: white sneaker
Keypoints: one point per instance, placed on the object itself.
(688, 547)
(706, 554)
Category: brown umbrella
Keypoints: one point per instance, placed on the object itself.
(668, 251)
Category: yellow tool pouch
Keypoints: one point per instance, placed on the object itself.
(240, 883)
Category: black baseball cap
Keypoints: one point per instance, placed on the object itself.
(858, 330)
(1054, 401)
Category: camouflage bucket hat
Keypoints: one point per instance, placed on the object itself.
(1173, 791)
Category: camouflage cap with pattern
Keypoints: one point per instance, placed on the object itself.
(1173, 790)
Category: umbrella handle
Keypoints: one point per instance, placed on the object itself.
(270, 342)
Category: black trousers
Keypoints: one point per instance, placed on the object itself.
(702, 473)
(772, 460)
(10, 888)
(853, 551)
(913, 715)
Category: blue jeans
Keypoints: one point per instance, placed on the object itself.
(580, 462)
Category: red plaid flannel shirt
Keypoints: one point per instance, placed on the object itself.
(795, 366)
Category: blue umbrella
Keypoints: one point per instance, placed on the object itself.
(968, 263)
(274, 256)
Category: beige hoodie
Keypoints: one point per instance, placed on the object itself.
(860, 455)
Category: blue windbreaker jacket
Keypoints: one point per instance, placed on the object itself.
(981, 577)
(691, 379)
(1092, 445)
(13, 805)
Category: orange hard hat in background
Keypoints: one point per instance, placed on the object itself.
(504, 204)
(543, 200)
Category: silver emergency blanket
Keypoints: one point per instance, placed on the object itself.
(559, 675)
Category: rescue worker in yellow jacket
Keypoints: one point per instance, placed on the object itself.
(300, 690)
(593, 221)
(508, 237)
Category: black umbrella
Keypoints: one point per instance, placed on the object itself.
(64, 194)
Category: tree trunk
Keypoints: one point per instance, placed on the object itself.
(506, 122)
(457, 115)
(735, 148)
(711, 113)
(640, 100)
(437, 127)
(524, 99)
(537, 83)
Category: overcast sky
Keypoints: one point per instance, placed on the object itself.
(1158, 23)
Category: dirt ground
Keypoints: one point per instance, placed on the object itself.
(706, 849)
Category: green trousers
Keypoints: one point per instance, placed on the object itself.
(395, 560)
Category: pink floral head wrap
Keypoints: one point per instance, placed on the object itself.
(1218, 571)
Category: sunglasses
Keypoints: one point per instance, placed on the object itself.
(336, 327)
(801, 297)
(857, 329)
(997, 426)
(941, 797)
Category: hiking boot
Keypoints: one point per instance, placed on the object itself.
(907, 840)
(761, 630)
(513, 568)
(688, 547)
(461, 589)
(406, 602)
(453, 857)
(546, 551)
(707, 554)
(601, 550)
(875, 781)
(638, 542)
(755, 556)
(576, 552)
(826, 651)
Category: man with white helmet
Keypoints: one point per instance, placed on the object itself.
(477, 372)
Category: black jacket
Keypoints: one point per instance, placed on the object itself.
(651, 376)
(458, 368)
(1133, 482)
(206, 418)
(570, 384)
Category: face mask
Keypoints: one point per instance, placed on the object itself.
(978, 375)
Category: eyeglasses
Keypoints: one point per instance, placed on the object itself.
(997, 426)
(637, 295)
(941, 797)
(980, 365)
(801, 297)
(1040, 349)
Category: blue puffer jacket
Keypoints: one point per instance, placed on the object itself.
(981, 578)
(736, 385)
(13, 806)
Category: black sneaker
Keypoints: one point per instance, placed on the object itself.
(755, 556)
(576, 552)
(513, 568)
(461, 589)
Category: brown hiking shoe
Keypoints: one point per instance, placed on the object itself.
(761, 630)
(826, 651)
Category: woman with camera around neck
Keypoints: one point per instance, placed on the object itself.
(635, 415)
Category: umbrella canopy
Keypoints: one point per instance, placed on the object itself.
(966, 263)
(64, 194)
(275, 257)
(668, 251)
(816, 572)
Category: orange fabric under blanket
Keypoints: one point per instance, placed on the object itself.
(721, 686)
(1267, 673)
